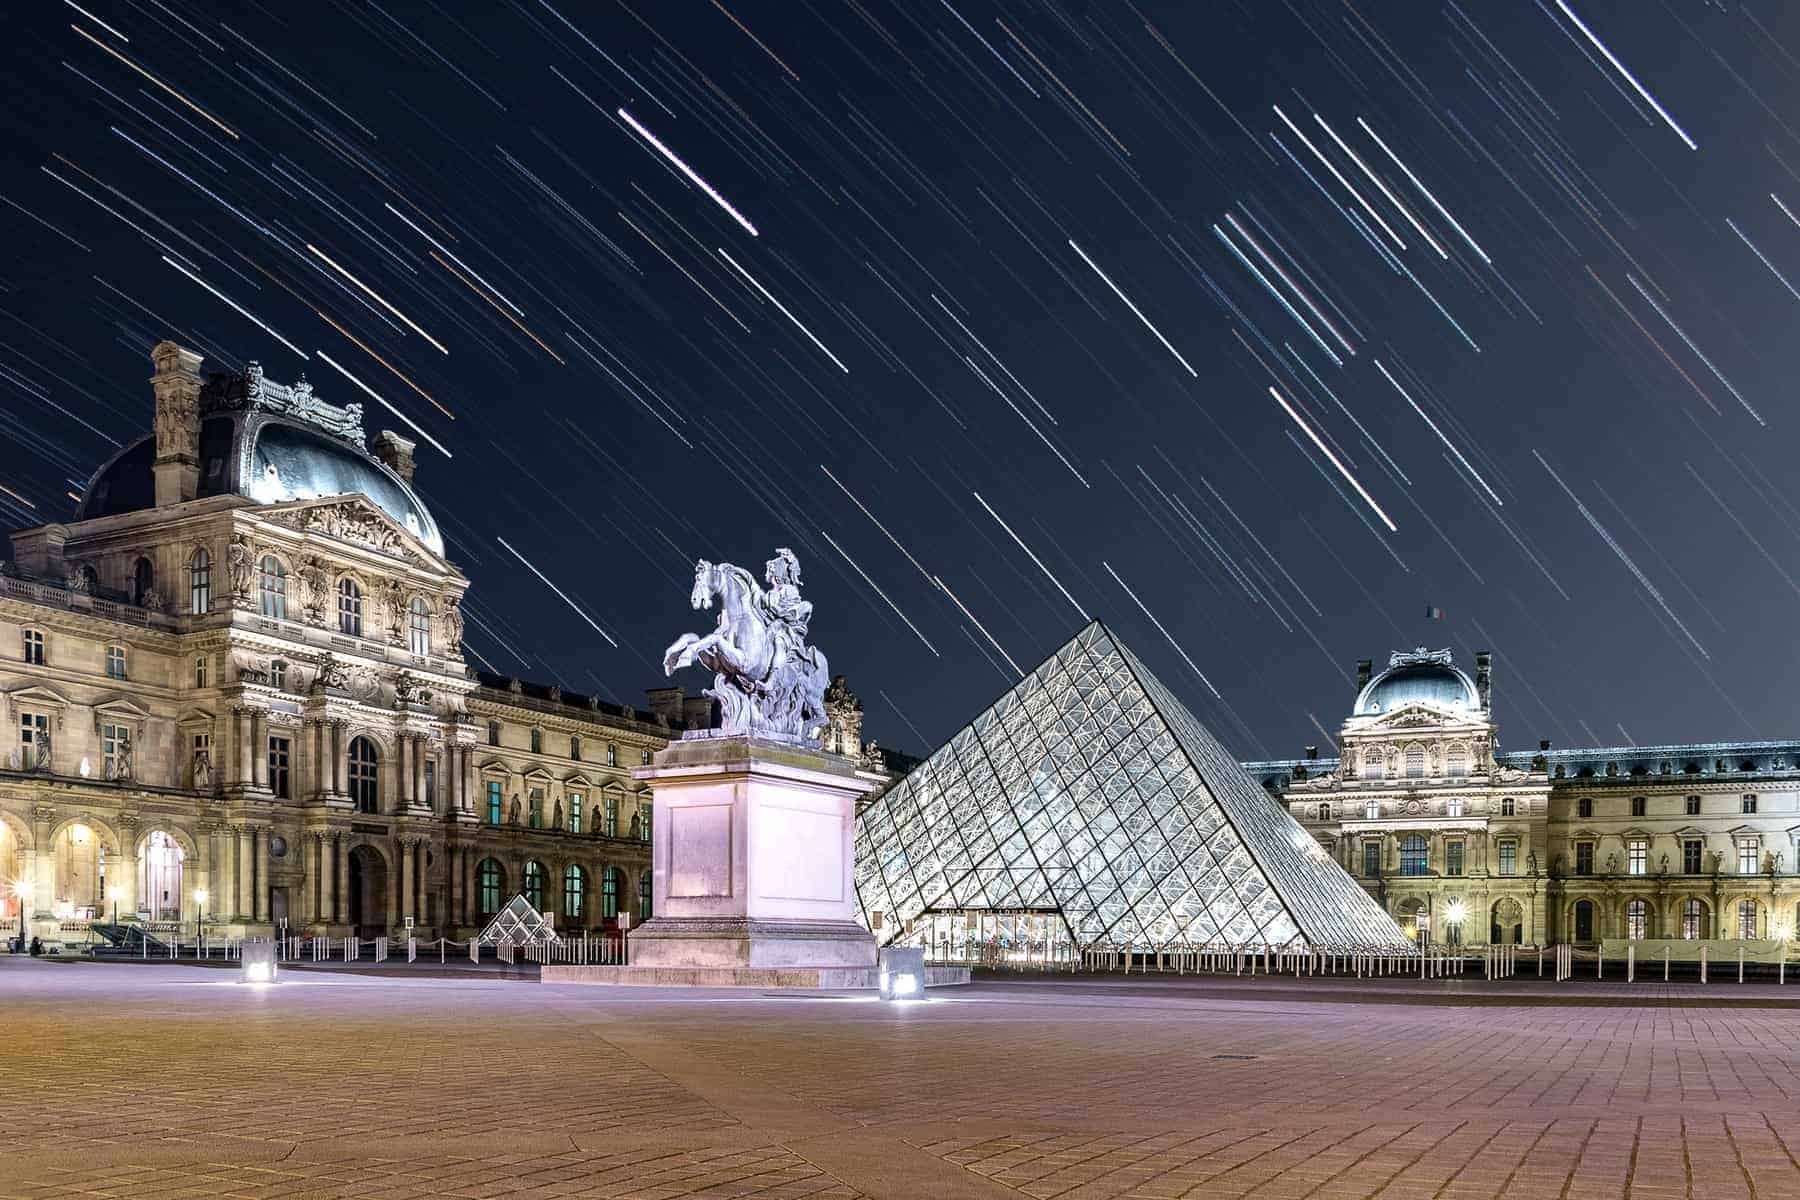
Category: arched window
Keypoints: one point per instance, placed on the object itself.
(609, 892)
(143, 580)
(1371, 810)
(271, 583)
(1746, 919)
(90, 580)
(645, 890)
(159, 877)
(1415, 762)
(1325, 811)
(1372, 765)
(1693, 920)
(1415, 857)
(532, 884)
(199, 581)
(487, 887)
(363, 790)
(1637, 917)
(418, 626)
(574, 891)
(1456, 761)
(349, 607)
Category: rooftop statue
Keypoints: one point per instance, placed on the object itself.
(768, 681)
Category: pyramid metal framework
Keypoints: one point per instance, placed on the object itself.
(1088, 789)
(518, 924)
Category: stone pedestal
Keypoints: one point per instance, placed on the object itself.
(752, 845)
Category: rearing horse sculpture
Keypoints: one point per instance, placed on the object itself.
(767, 681)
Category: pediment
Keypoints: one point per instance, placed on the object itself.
(539, 774)
(118, 705)
(357, 520)
(37, 695)
(577, 778)
(1413, 716)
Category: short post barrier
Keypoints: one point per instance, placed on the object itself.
(1703, 963)
(1540, 962)
(1630, 964)
(1600, 962)
(1740, 964)
(412, 949)
(474, 951)
(1665, 964)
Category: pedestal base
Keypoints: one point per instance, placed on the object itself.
(811, 978)
(750, 942)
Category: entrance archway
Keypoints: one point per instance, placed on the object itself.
(1415, 920)
(368, 892)
(1507, 923)
(1584, 921)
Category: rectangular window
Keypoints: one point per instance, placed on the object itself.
(115, 750)
(609, 816)
(1371, 810)
(1453, 858)
(575, 748)
(278, 674)
(1749, 855)
(612, 755)
(1690, 856)
(279, 751)
(1637, 857)
(537, 741)
(644, 826)
(34, 731)
(1372, 766)
(431, 784)
(1638, 804)
(1584, 807)
(493, 802)
(1415, 762)
(34, 647)
(1509, 858)
(115, 662)
(1584, 858)
(1371, 859)
(1749, 806)
(200, 671)
(644, 757)
(493, 733)
(574, 812)
(1693, 806)
(1453, 807)
(536, 817)
(1508, 806)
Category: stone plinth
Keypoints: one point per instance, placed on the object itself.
(760, 977)
(752, 845)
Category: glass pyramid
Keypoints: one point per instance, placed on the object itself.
(1090, 791)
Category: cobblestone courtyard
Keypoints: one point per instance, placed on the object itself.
(145, 1080)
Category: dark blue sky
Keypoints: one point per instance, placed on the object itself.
(1595, 327)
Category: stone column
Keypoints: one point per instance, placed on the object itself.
(259, 749)
(340, 878)
(121, 872)
(418, 880)
(453, 889)
(405, 752)
(243, 888)
(337, 757)
(259, 872)
(421, 750)
(320, 759)
(315, 860)
(240, 735)
(468, 891)
(402, 896)
(469, 790)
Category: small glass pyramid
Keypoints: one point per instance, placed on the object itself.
(1090, 794)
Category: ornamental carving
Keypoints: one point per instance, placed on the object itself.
(453, 624)
(313, 589)
(251, 391)
(351, 521)
(393, 603)
(239, 563)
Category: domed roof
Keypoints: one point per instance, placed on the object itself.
(1418, 677)
(271, 444)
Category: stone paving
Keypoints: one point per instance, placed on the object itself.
(167, 1081)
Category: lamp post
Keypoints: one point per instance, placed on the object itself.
(22, 892)
(199, 915)
(112, 893)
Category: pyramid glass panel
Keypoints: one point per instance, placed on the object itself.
(1089, 792)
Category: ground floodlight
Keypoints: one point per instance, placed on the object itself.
(903, 973)
(257, 960)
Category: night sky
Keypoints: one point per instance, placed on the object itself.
(1000, 349)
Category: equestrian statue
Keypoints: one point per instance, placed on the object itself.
(767, 680)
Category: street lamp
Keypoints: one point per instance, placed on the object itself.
(112, 893)
(22, 892)
(199, 914)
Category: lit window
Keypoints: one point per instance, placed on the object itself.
(278, 673)
(1415, 762)
(1690, 856)
(487, 887)
(493, 801)
(609, 892)
(1637, 914)
(1693, 920)
(574, 891)
(363, 790)
(1324, 812)
(644, 757)
(612, 755)
(34, 647)
(1693, 806)
(1584, 858)
(1371, 859)
(200, 671)
(1638, 805)
(537, 741)
(199, 582)
(1637, 856)
(115, 749)
(1509, 858)
(645, 892)
(1508, 806)
(1746, 914)
(532, 884)
(279, 750)
(115, 662)
(644, 827)
(1453, 807)
(574, 812)
(1415, 857)
(1456, 762)
(349, 608)
(609, 817)
(575, 749)
(1371, 810)
(1372, 767)
(430, 780)
(34, 738)
(1749, 855)
(1584, 807)
(271, 586)
(418, 626)
(1453, 858)
(493, 733)
(1749, 806)
(536, 815)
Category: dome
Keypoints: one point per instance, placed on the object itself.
(271, 444)
(1419, 677)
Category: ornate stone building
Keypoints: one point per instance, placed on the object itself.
(1466, 844)
(234, 694)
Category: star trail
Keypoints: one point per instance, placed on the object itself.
(1304, 317)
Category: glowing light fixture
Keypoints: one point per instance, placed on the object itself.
(1455, 911)
(257, 962)
(902, 973)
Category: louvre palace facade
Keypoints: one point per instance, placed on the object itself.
(235, 695)
(1464, 843)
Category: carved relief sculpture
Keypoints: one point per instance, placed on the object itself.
(239, 562)
(453, 625)
(393, 602)
(313, 589)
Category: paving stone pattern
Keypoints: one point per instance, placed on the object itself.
(161, 1081)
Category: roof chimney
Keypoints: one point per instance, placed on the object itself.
(1484, 676)
(1312, 753)
(1365, 669)
(396, 453)
(177, 386)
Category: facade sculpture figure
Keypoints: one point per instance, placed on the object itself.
(238, 562)
(767, 680)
